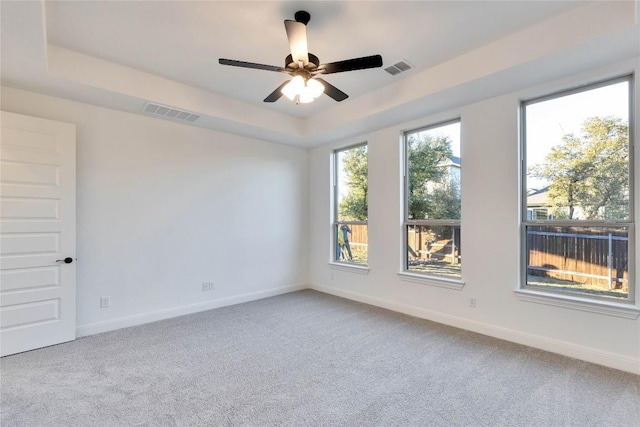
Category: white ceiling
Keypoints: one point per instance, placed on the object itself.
(99, 51)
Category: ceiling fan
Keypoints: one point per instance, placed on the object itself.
(305, 67)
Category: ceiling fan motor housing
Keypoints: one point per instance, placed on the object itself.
(314, 62)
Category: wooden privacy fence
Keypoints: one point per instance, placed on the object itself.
(359, 234)
(422, 243)
(580, 255)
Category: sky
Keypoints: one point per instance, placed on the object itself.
(548, 121)
(452, 131)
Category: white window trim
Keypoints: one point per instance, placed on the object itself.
(437, 281)
(349, 268)
(626, 309)
(334, 263)
(414, 276)
(578, 303)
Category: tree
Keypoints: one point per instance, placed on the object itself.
(433, 194)
(589, 173)
(354, 205)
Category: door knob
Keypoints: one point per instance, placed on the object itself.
(67, 260)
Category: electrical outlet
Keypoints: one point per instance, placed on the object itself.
(208, 286)
(104, 302)
(472, 302)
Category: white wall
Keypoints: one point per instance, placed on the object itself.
(490, 215)
(163, 207)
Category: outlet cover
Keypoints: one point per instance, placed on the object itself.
(105, 302)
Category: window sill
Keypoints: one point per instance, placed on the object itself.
(582, 304)
(351, 268)
(440, 282)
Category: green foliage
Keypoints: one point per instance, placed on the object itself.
(589, 173)
(355, 167)
(433, 194)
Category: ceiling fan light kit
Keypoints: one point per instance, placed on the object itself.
(303, 91)
(304, 67)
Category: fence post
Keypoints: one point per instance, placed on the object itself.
(610, 260)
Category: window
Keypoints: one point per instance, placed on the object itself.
(577, 216)
(350, 240)
(432, 201)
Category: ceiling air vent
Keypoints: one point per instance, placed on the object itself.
(169, 112)
(398, 68)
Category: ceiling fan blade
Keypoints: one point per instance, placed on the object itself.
(297, 35)
(363, 63)
(253, 65)
(332, 91)
(276, 94)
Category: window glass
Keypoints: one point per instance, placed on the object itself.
(577, 191)
(587, 260)
(433, 201)
(351, 205)
(577, 152)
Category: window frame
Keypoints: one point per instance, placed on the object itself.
(336, 223)
(540, 294)
(416, 276)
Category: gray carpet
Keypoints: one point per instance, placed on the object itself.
(307, 358)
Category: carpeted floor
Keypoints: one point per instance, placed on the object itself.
(307, 358)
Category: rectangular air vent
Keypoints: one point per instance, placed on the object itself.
(392, 70)
(169, 112)
(398, 68)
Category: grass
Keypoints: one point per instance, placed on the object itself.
(436, 267)
(360, 255)
(569, 286)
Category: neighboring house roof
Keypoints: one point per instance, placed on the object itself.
(538, 197)
(455, 160)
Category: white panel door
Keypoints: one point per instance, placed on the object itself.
(37, 233)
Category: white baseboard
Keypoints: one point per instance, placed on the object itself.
(139, 319)
(587, 354)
